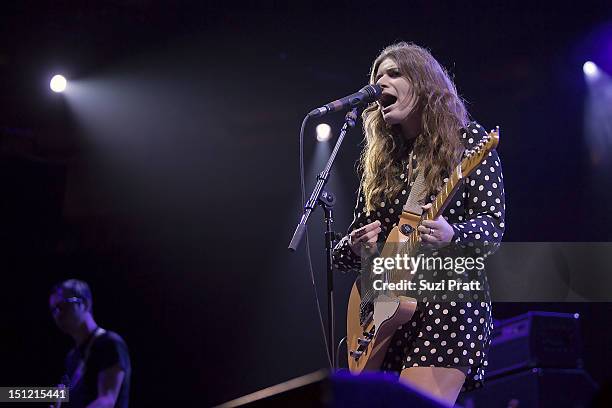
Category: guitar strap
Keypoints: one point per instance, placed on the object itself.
(418, 192)
(80, 370)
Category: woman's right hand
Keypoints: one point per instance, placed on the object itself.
(365, 236)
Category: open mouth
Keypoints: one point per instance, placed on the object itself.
(386, 100)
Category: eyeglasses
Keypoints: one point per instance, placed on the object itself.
(62, 304)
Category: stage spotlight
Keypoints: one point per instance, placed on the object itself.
(58, 83)
(590, 69)
(323, 132)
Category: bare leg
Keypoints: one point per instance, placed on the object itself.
(443, 383)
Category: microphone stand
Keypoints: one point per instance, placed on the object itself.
(326, 200)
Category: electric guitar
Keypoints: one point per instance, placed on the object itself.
(64, 385)
(372, 316)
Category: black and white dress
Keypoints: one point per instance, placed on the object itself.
(445, 334)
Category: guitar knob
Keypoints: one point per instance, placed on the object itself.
(356, 354)
(368, 335)
(406, 229)
(363, 342)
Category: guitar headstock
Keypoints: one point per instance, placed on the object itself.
(477, 154)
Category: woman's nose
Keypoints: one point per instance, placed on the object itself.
(382, 81)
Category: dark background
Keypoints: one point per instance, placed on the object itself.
(167, 175)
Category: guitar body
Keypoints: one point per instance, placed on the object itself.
(373, 317)
(368, 343)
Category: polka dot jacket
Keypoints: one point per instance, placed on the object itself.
(445, 334)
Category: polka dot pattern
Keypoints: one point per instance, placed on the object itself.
(445, 334)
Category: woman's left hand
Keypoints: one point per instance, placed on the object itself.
(435, 233)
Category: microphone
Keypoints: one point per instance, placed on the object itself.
(367, 94)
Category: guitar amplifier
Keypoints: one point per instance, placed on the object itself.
(535, 388)
(535, 339)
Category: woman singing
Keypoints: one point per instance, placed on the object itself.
(420, 124)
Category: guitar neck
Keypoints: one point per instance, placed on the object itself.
(445, 195)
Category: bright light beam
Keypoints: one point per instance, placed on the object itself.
(590, 69)
(58, 83)
(323, 132)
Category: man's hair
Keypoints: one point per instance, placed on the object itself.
(74, 288)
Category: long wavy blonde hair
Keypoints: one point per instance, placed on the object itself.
(438, 147)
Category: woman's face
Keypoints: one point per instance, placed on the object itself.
(397, 101)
